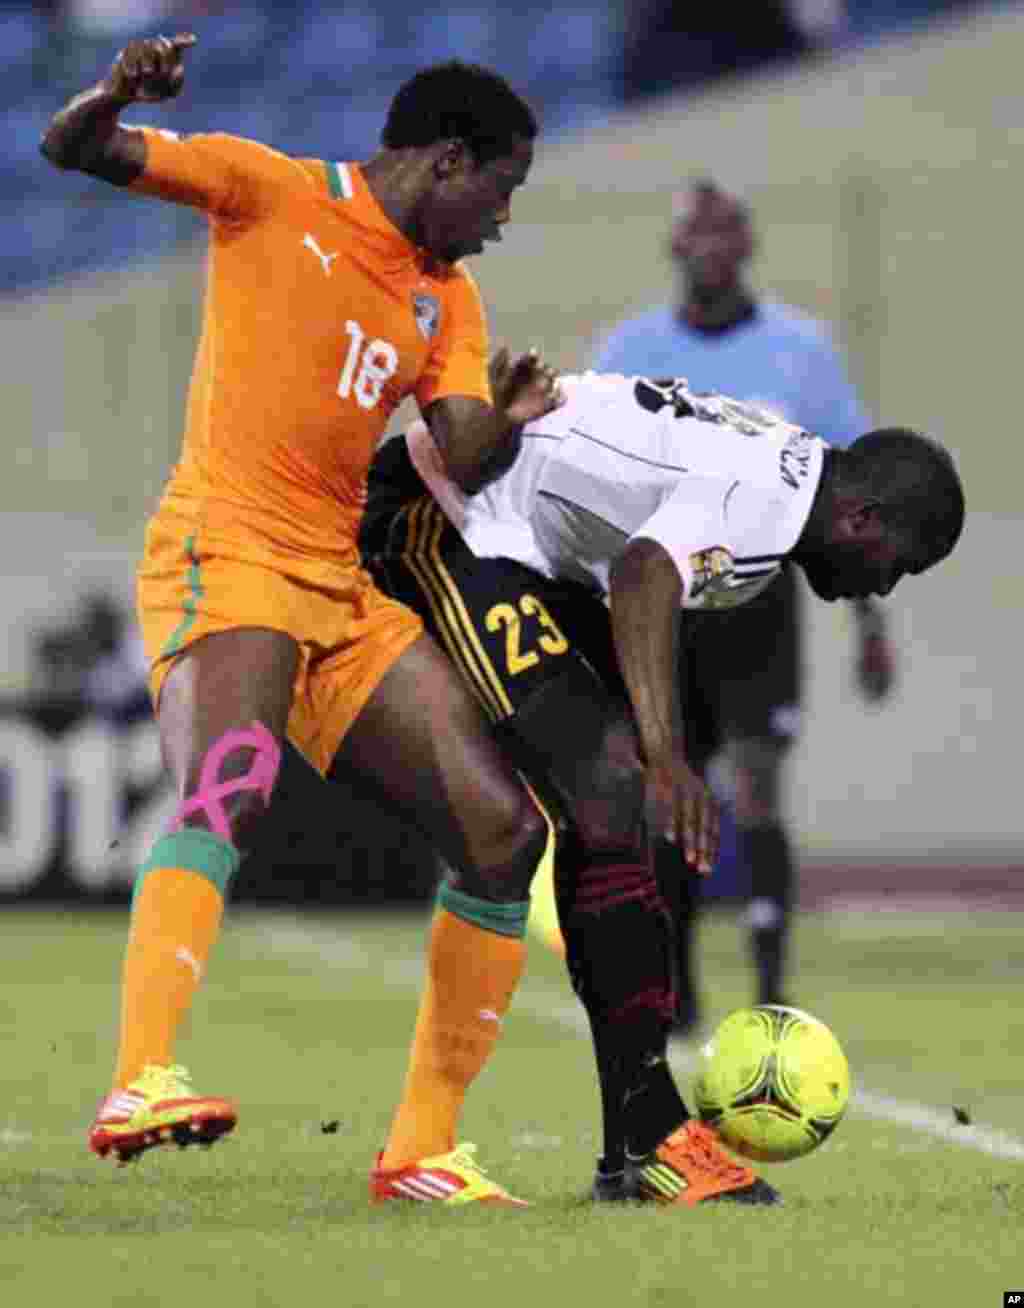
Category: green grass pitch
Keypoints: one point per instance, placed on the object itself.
(307, 1020)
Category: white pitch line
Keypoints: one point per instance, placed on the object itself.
(10, 1135)
(935, 1121)
(294, 936)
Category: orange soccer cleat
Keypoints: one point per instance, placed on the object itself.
(691, 1167)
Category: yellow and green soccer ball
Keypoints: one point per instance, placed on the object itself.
(773, 1083)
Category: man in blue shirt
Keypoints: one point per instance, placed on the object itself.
(723, 337)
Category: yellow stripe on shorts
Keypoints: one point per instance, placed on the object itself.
(422, 556)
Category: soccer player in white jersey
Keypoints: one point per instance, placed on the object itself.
(563, 590)
(717, 328)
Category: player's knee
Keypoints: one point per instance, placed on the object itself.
(580, 736)
(757, 767)
(608, 803)
(518, 848)
(507, 856)
(228, 789)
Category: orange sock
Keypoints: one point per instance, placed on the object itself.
(176, 916)
(472, 976)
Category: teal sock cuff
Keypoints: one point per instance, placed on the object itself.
(502, 919)
(196, 850)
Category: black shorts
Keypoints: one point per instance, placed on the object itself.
(508, 629)
(743, 675)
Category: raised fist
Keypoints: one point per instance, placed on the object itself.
(151, 70)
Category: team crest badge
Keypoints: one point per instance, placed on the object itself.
(713, 576)
(427, 312)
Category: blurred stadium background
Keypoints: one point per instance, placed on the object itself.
(879, 142)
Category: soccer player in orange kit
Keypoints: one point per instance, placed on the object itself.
(334, 291)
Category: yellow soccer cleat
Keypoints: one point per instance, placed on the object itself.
(160, 1107)
(453, 1178)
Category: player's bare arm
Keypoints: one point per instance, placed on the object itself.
(645, 594)
(480, 441)
(86, 134)
(876, 657)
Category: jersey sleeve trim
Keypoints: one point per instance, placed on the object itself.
(339, 181)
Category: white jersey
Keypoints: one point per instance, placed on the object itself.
(724, 488)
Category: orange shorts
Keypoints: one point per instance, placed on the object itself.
(192, 583)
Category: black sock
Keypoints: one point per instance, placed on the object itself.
(765, 850)
(622, 1059)
(617, 938)
(680, 890)
(654, 1108)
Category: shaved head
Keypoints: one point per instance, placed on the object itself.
(916, 484)
(712, 238)
(891, 505)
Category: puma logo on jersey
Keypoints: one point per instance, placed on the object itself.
(309, 242)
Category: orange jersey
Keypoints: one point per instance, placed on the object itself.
(320, 318)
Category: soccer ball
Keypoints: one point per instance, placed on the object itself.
(773, 1083)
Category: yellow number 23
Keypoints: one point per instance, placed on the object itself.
(550, 640)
